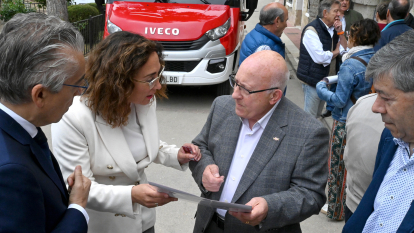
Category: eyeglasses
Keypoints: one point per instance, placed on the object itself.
(82, 89)
(243, 90)
(153, 82)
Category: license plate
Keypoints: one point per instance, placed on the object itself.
(173, 79)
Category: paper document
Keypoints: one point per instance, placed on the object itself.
(203, 201)
(331, 79)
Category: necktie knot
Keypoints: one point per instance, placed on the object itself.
(41, 140)
(40, 137)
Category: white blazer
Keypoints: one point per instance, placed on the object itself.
(82, 138)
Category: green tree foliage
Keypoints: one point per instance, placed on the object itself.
(11, 7)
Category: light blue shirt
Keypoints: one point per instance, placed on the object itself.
(247, 142)
(395, 194)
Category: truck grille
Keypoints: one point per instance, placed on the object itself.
(184, 45)
(181, 66)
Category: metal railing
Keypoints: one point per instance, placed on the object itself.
(92, 30)
(36, 6)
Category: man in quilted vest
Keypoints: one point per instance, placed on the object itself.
(322, 41)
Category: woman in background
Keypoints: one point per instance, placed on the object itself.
(112, 132)
(364, 34)
(381, 15)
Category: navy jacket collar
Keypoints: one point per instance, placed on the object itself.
(266, 32)
(16, 131)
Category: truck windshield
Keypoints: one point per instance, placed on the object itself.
(231, 3)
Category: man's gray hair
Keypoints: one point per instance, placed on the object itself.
(31, 53)
(396, 61)
(326, 5)
(267, 16)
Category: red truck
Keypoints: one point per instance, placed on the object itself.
(201, 38)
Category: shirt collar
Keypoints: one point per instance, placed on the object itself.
(29, 127)
(402, 144)
(388, 25)
(330, 29)
(264, 120)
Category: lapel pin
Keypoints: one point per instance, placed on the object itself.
(276, 139)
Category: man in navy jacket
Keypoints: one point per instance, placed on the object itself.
(266, 35)
(397, 11)
(41, 70)
(387, 204)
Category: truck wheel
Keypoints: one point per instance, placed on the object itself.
(224, 89)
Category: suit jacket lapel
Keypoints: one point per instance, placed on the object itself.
(366, 206)
(228, 147)
(15, 130)
(115, 143)
(266, 148)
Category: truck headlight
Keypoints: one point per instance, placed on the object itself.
(111, 27)
(218, 32)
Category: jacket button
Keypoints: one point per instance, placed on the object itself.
(109, 167)
(137, 183)
(116, 215)
(112, 177)
(123, 215)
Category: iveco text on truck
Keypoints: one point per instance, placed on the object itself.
(201, 38)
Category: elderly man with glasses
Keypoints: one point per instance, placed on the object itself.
(261, 150)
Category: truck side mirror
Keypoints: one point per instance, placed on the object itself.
(251, 5)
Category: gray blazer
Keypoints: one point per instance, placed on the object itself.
(289, 173)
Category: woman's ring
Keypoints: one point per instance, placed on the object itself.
(247, 222)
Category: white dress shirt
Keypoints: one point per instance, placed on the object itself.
(314, 46)
(134, 137)
(32, 130)
(395, 194)
(248, 139)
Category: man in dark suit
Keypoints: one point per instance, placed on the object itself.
(41, 70)
(387, 205)
(261, 150)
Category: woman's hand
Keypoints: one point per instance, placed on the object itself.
(194, 154)
(147, 195)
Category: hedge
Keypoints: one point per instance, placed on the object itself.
(81, 12)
